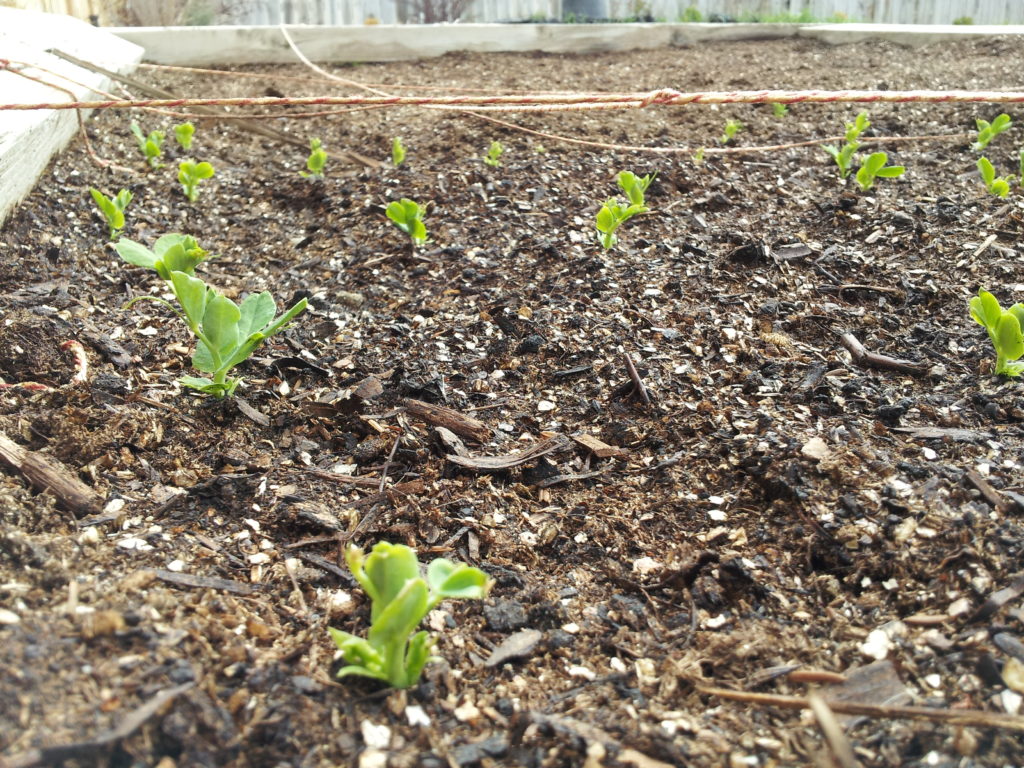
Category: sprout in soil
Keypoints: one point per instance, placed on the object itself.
(732, 127)
(190, 173)
(397, 152)
(1004, 329)
(634, 186)
(779, 109)
(183, 135)
(988, 131)
(315, 162)
(150, 146)
(611, 216)
(844, 155)
(875, 167)
(400, 599)
(493, 156)
(226, 333)
(408, 217)
(996, 185)
(112, 209)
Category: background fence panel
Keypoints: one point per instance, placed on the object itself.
(399, 11)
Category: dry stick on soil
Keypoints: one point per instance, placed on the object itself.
(832, 731)
(962, 717)
(990, 494)
(127, 725)
(873, 360)
(251, 126)
(441, 416)
(46, 474)
(638, 384)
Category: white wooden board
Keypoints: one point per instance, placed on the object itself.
(29, 139)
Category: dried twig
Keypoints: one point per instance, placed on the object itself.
(962, 717)
(832, 731)
(873, 360)
(46, 474)
(83, 750)
(638, 385)
(441, 416)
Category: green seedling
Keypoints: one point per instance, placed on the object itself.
(397, 152)
(315, 162)
(226, 333)
(112, 209)
(1020, 167)
(183, 135)
(190, 173)
(634, 186)
(732, 127)
(171, 253)
(408, 217)
(844, 155)
(1004, 329)
(400, 599)
(698, 156)
(779, 109)
(875, 167)
(493, 156)
(612, 216)
(150, 146)
(996, 185)
(988, 131)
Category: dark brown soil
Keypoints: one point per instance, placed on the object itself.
(777, 511)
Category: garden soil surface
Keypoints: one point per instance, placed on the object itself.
(694, 481)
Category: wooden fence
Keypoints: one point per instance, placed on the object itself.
(410, 11)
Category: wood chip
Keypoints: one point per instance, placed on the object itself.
(945, 433)
(600, 449)
(451, 441)
(516, 646)
(442, 416)
(251, 413)
(510, 460)
(47, 474)
(1000, 598)
(205, 582)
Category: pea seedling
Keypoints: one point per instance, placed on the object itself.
(988, 131)
(611, 216)
(112, 209)
(634, 186)
(408, 217)
(400, 599)
(397, 152)
(779, 109)
(844, 155)
(315, 162)
(1004, 330)
(996, 185)
(875, 167)
(493, 156)
(190, 173)
(226, 333)
(732, 127)
(150, 146)
(183, 135)
(171, 253)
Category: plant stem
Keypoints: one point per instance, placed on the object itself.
(395, 656)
